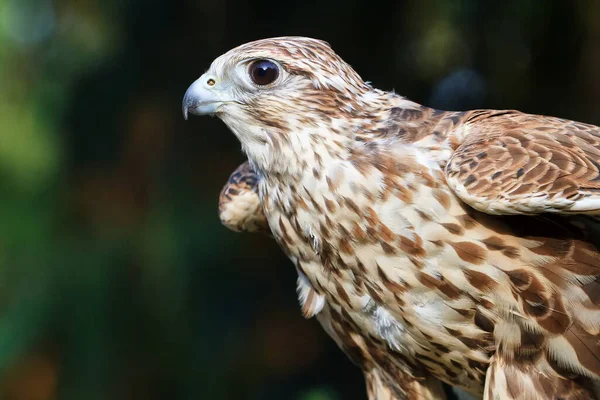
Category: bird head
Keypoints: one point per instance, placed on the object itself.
(275, 93)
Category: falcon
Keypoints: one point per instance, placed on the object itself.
(432, 246)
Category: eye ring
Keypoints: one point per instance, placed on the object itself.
(263, 72)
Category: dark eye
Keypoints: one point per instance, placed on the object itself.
(263, 72)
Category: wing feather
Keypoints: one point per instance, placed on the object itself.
(240, 208)
(509, 380)
(516, 163)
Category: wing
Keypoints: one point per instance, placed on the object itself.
(515, 163)
(240, 208)
(509, 381)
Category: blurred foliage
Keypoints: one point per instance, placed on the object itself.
(117, 280)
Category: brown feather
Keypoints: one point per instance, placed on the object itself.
(515, 163)
(240, 208)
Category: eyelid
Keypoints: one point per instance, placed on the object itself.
(248, 62)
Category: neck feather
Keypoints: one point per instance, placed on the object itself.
(300, 145)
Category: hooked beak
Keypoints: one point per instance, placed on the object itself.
(201, 98)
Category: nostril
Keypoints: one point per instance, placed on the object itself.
(210, 82)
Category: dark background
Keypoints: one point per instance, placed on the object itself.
(117, 280)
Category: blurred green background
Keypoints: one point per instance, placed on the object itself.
(117, 280)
